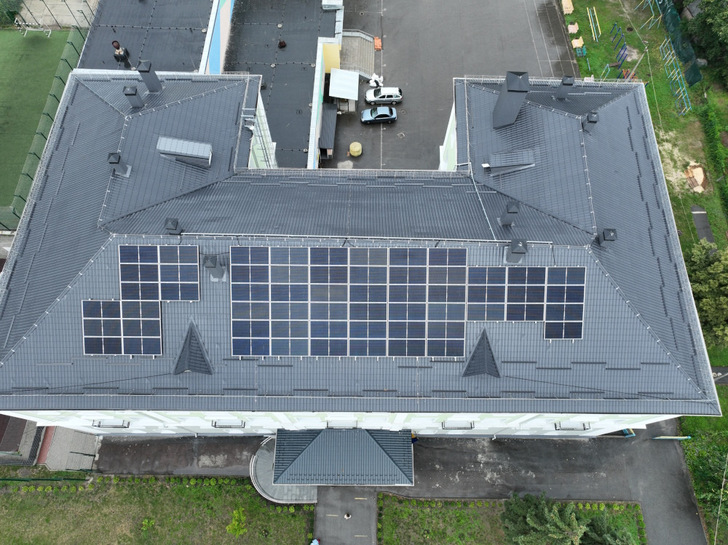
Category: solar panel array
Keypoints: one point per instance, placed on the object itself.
(148, 274)
(154, 273)
(554, 295)
(121, 327)
(387, 301)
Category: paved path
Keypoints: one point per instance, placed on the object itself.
(346, 516)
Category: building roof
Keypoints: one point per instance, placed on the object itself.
(345, 457)
(571, 192)
(172, 34)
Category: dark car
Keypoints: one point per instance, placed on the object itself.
(380, 114)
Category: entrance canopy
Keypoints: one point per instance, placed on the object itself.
(351, 457)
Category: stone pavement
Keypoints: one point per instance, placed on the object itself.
(261, 473)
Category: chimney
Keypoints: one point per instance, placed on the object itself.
(512, 209)
(567, 83)
(149, 76)
(171, 225)
(607, 236)
(589, 121)
(118, 168)
(512, 95)
(134, 99)
(516, 251)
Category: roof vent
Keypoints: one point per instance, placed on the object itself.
(197, 154)
(149, 76)
(118, 168)
(216, 265)
(512, 209)
(567, 83)
(607, 236)
(516, 251)
(512, 95)
(133, 96)
(171, 225)
(589, 121)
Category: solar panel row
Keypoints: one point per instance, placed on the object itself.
(154, 273)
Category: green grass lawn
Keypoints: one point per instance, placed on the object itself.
(27, 64)
(705, 454)
(171, 511)
(478, 522)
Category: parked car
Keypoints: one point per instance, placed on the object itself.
(380, 114)
(383, 95)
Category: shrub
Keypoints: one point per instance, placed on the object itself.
(292, 509)
(72, 488)
(213, 482)
(193, 481)
(40, 489)
(238, 525)
(480, 503)
(601, 507)
(279, 509)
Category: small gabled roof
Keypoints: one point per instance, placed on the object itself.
(351, 457)
(193, 356)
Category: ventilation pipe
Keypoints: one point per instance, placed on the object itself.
(133, 96)
(512, 209)
(567, 83)
(118, 168)
(516, 251)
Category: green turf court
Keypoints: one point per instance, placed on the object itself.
(27, 64)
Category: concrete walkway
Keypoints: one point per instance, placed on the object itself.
(261, 473)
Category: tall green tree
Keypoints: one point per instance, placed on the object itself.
(708, 269)
(710, 30)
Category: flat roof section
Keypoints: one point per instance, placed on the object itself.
(171, 34)
(288, 72)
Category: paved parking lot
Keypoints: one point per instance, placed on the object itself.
(425, 45)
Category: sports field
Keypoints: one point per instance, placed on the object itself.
(27, 64)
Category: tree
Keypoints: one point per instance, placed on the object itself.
(536, 520)
(710, 30)
(708, 269)
(600, 532)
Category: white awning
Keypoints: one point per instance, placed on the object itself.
(344, 84)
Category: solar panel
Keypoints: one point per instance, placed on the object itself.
(121, 327)
(386, 301)
(153, 273)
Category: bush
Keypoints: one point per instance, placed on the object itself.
(238, 525)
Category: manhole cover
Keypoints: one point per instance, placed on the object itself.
(402, 110)
(401, 135)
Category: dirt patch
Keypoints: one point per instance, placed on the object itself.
(674, 160)
(632, 53)
(724, 139)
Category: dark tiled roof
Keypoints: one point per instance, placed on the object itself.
(350, 457)
(641, 352)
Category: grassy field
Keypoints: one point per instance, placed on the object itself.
(143, 510)
(705, 454)
(28, 64)
(477, 522)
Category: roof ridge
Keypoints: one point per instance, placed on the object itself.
(386, 452)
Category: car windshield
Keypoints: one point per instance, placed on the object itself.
(373, 112)
(377, 92)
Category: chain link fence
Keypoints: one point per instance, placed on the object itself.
(10, 215)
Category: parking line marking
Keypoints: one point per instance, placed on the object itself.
(331, 515)
(361, 498)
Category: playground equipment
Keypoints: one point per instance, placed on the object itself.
(655, 14)
(675, 77)
(594, 23)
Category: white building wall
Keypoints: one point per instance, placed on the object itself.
(264, 423)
